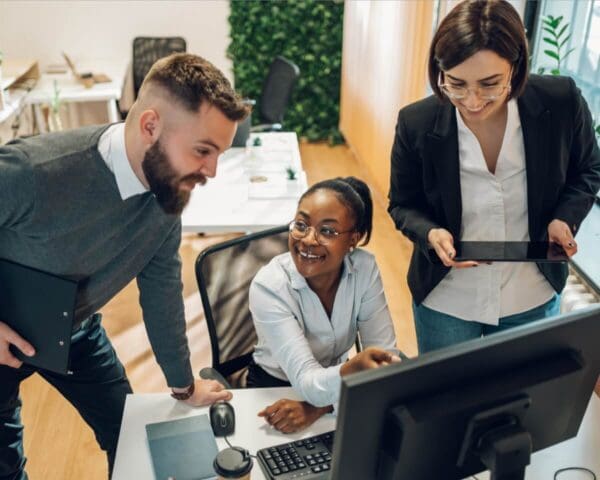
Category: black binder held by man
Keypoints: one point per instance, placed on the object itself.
(40, 307)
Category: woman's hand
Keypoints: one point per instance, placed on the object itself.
(560, 233)
(442, 242)
(290, 416)
(371, 357)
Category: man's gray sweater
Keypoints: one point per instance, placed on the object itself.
(61, 212)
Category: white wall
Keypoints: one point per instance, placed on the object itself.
(104, 30)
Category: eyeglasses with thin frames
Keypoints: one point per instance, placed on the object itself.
(485, 92)
(324, 234)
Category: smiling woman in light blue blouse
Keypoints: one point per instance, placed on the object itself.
(309, 304)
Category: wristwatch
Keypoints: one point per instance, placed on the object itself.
(189, 391)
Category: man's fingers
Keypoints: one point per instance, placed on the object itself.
(10, 360)
(14, 338)
(217, 386)
(212, 397)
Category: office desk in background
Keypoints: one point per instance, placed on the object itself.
(71, 91)
(230, 203)
(253, 433)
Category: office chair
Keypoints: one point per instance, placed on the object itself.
(147, 50)
(224, 273)
(275, 97)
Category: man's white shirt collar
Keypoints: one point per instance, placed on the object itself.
(112, 148)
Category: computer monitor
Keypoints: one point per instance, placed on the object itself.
(483, 404)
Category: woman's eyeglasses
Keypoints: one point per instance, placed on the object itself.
(485, 92)
(324, 234)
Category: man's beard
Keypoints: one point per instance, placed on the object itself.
(164, 182)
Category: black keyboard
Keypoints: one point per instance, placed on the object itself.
(306, 459)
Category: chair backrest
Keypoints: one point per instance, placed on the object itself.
(147, 50)
(277, 90)
(224, 273)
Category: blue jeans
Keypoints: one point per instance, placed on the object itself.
(438, 330)
(97, 389)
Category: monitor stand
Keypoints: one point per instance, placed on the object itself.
(498, 439)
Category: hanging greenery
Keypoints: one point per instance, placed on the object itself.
(307, 32)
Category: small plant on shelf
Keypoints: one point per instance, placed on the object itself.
(291, 173)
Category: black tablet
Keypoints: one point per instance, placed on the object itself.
(510, 252)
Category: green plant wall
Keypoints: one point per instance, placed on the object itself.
(307, 32)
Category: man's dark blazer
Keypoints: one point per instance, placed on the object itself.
(562, 163)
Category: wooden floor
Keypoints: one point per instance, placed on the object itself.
(60, 446)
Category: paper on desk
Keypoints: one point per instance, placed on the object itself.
(273, 185)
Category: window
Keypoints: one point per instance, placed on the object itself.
(583, 64)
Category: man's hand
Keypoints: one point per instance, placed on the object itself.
(9, 337)
(560, 233)
(289, 416)
(597, 389)
(207, 392)
(371, 357)
(442, 242)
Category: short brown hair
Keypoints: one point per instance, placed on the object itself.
(475, 25)
(191, 80)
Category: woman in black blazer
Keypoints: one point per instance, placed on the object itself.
(495, 154)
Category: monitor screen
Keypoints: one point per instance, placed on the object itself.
(483, 404)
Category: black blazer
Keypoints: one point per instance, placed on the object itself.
(562, 162)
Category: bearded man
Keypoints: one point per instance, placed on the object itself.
(103, 205)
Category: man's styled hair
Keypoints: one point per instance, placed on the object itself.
(192, 80)
(475, 25)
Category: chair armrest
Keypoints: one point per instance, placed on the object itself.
(209, 373)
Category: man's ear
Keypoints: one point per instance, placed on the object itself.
(354, 239)
(149, 126)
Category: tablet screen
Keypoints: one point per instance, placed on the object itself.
(510, 252)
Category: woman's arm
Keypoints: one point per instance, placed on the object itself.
(374, 320)
(408, 205)
(583, 174)
(276, 325)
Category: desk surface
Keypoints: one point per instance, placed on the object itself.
(230, 203)
(133, 456)
(73, 91)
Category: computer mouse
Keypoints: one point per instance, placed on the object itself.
(222, 419)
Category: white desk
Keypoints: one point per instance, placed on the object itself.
(231, 203)
(71, 91)
(133, 457)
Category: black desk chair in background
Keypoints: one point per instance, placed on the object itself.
(224, 273)
(147, 50)
(274, 100)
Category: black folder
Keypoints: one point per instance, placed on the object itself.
(40, 307)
